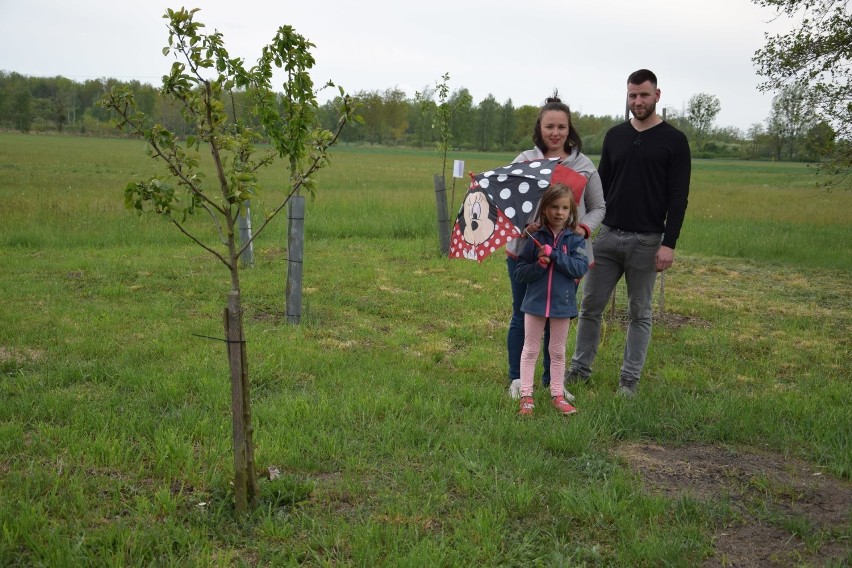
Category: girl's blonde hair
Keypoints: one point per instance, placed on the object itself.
(552, 193)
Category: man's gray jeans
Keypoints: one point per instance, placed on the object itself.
(618, 253)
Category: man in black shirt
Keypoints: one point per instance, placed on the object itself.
(645, 169)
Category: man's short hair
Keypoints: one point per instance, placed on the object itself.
(642, 75)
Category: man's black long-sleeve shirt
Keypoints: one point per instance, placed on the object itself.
(645, 177)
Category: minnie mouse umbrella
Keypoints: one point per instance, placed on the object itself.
(501, 202)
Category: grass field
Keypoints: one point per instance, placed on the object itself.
(386, 410)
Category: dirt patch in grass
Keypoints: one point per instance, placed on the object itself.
(266, 316)
(676, 321)
(9, 354)
(784, 512)
(14, 359)
(667, 319)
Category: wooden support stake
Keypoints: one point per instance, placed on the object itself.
(443, 217)
(244, 225)
(246, 489)
(234, 340)
(295, 257)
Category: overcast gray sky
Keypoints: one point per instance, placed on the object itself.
(517, 50)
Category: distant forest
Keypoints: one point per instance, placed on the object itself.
(391, 118)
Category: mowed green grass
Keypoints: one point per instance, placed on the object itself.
(386, 410)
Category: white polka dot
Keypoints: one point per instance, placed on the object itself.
(497, 242)
(509, 238)
(527, 206)
(542, 183)
(502, 177)
(510, 212)
(524, 187)
(506, 193)
(546, 171)
(517, 172)
(483, 183)
(489, 173)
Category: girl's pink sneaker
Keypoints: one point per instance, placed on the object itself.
(562, 405)
(527, 406)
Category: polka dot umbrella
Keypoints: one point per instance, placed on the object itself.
(501, 202)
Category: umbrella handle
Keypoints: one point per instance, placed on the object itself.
(538, 244)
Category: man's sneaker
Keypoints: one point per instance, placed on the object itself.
(574, 376)
(527, 405)
(515, 389)
(568, 396)
(560, 404)
(628, 388)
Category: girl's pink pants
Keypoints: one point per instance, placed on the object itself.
(533, 332)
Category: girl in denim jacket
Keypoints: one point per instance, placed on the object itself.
(552, 260)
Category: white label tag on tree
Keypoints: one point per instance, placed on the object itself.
(458, 168)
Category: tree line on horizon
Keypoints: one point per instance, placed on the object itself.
(391, 118)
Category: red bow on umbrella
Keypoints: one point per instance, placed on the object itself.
(501, 202)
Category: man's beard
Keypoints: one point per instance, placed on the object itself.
(646, 112)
